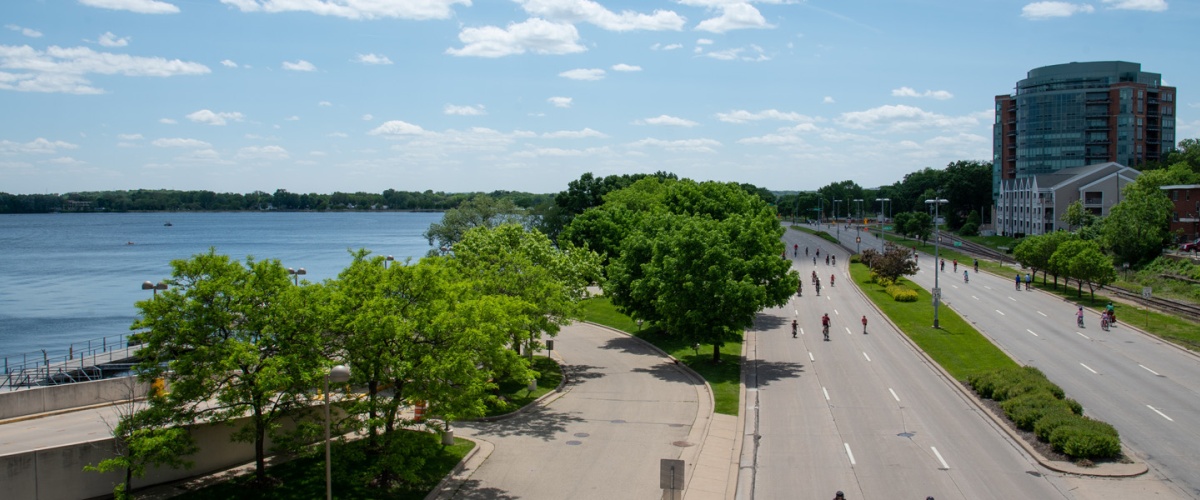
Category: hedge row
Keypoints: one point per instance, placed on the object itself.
(901, 293)
(1035, 404)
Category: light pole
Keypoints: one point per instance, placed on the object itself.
(937, 292)
(154, 286)
(860, 210)
(883, 202)
(835, 219)
(386, 260)
(296, 274)
(339, 374)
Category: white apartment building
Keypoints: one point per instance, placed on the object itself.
(1035, 204)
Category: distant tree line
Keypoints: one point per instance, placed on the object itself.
(281, 199)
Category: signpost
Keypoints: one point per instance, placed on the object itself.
(1146, 295)
(670, 478)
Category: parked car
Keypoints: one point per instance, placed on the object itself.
(1191, 247)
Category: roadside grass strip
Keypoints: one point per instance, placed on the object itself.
(723, 378)
(820, 234)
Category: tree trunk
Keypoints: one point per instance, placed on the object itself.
(260, 438)
(716, 353)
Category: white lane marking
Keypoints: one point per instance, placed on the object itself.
(1031, 331)
(1082, 335)
(954, 287)
(1043, 314)
(836, 313)
(847, 330)
(801, 331)
(988, 287)
(810, 356)
(1012, 299)
(974, 297)
(865, 356)
(1001, 312)
(894, 396)
(940, 459)
(826, 391)
(1089, 368)
(827, 297)
(849, 453)
(1164, 415)
(1149, 370)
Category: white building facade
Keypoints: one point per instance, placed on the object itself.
(1035, 204)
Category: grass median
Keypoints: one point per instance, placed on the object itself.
(724, 377)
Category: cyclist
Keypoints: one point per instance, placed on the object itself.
(817, 284)
(943, 265)
(1112, 314)
(796, 250)
(966, 279)
(799, 288)
(806, 251)
(793, 328)
(976, 266)
(830, 281)
(864, 324)
(956, 265)
(1018, 282)
(834, 260)
(825, 325)
(1028, 280)
(1079, 317)
(827, 259)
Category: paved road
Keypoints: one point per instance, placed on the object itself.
(865, 413)
(625, 408)
(1149, 390)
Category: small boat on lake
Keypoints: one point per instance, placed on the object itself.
(168, 224)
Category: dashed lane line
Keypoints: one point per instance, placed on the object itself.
(940, 459)
(1163, 415)
(1089, 368)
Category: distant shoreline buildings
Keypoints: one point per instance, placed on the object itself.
(1068, 116)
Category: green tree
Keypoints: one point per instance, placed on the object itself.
(1137, 228)
(231, 341)
(480, 211)
(704, 264)
(967, 185)
(1078, 217)
(892, 263)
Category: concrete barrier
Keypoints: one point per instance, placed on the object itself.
(66, 396)
(57, 473)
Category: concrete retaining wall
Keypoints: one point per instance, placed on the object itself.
(57, 473)
(61, 397)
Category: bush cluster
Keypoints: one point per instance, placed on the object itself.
(901, 293)
(1035, 404)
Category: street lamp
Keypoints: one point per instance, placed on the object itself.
(883, 202)
(154, 286)
(386, 260)
(835, 219)
(860, 212)
(937, 292)
(296, 274)
(339, 374)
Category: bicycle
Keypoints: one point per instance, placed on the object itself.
(1104, 322)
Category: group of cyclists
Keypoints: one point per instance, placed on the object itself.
(1108, 317)
(966, 275)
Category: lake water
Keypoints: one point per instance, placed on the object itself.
(70, 278)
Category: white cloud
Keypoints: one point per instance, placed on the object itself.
(904, 118)
(625, 67)
(324, 103)
(129, 137)
(211, 118)
(368, 117)
(1046, 10)
(167, 121)
(704, 41)
(139, 6)
(574, 134)
(108, 39)
(743, 116)
(64, 160)
(300, 65)
(452, 109)
(396, 128)
(560, 102)
(228, 64)
(31, 33)
(63, 69)
(292, 118)
(180, 142)
(672, 46)
(262, 153)
(828, 100)
(39, 145)
(534, 35)
(1147, 5)
(734, 16)
(356, 9)
(667, 120)
(583, 74)
(940, 95)
(339, 135)
(374, 59)
(692, 145)
(587, 11)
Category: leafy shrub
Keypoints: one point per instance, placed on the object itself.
(1086, 438)
(1046, 425)
(900, 293)
(1025, 410)
(969, 229)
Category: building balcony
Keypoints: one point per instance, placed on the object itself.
(1093, 201)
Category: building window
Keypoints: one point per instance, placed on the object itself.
(1093, 198)
(1174, 195)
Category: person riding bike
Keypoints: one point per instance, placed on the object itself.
(799, 288)
(864, 321)
(1112, 314)
(830, 281)
(835, 260)
(796, 250)
(1018, 281)
(976, 266)
(1079, 317)
(965, 278)
(956, 265)
(825, 325)
(793, 328)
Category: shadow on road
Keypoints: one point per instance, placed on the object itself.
(471, 490)
(767, 321)
(771, 371)
(667, 372)
(629, 345)
(543, 423)
(578, 373)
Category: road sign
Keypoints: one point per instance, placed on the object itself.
(937, 295)
(1145, 292)
(670, 474)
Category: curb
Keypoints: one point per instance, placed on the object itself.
(1124, 470)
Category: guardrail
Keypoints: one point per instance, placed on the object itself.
(88, 360)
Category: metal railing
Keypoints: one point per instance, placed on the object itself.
(80, 361)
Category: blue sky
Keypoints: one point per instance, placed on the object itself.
(527, 95)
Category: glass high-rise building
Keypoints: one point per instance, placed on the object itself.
(1076, 114)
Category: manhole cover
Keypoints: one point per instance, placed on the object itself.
(581, 434)
(618, 421)
(906, 434)
(574, 443)
(682, 444)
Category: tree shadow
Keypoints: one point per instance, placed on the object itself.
(771, 371)
(629, 345)
(542, 423)
(472, 489)
(667, 372)
(768, 321)
(577, 373)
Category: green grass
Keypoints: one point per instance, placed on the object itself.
(956, 346)
(517, 392)
(821, 234)
(724, 377)
(303, 478)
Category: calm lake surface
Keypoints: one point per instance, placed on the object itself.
(68, 278)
